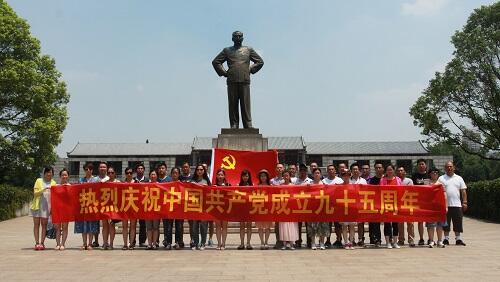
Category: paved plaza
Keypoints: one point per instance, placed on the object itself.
(479, 260)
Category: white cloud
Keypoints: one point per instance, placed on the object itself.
(423, 7)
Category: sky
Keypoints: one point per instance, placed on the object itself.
(334, 70)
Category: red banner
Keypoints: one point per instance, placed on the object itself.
(351, 203)
(234, 161)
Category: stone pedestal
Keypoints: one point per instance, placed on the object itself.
(245, 139)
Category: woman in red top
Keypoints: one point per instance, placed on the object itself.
(390, 228)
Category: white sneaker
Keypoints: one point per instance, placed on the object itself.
(313, 247)
(396, 246)
(389, 246)
(432, 244)
(440, 244)
(322, 246)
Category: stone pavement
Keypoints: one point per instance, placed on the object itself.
(479, 260)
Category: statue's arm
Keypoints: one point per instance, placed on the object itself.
(257, 61)
(217, 63)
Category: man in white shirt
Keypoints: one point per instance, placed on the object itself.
(278, 180)
(292, 168)
(455, 188)
(356, 175)
(302, 180)
(357, 179)
(401, 173)
(333, 179)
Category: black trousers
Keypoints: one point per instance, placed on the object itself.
(238, 94)
(374, 231)
(142, 231)
(168, 227)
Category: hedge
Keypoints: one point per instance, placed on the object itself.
(11, 199)
(483, 199)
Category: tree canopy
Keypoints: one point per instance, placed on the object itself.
(33, 101)
(461, 106)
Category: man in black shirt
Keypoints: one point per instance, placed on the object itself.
(421, 177)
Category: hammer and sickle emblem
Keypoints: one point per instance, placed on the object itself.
(228, 162)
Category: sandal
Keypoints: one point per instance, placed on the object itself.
(241, 247)
(61, 248)
(124, 248)
(42, 247)
(37, 247)
(89, 248)
(249, 247)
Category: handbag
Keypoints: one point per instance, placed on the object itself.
(51, 230)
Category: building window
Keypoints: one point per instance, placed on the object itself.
(384, 162)
(180, 160)
(363, 162)
(117, 165)
(337, 162)
(289, 157)
(74, 168)
(153, 165)
(406, 164)
(316, 159)
(133, 164)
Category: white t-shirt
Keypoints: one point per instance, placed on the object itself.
(407, 181)
(452, 185)
(337, 180)
(360, 180)
(303, 182)
(277, 180)
(293, 179)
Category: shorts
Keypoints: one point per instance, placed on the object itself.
(455, 216)
(436, 224)
(153, 224)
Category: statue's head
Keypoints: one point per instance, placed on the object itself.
(237, 37)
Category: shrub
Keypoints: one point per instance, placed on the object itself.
(483, 199)
(11, 199)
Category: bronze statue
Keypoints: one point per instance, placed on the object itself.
(238, 59)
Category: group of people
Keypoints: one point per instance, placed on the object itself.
(288, 234)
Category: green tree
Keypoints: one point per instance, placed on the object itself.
(471, 167)
(33, 102)
(462, 105)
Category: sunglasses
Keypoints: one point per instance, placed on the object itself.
(111, 172)
(129, 172)
(88, 169)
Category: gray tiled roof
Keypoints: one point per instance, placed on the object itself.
(286, 143)
(278, 143)
(365, 148)
(130, 149)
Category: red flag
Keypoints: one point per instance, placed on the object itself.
(234, 162)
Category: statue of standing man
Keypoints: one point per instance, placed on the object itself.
(238, 59)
